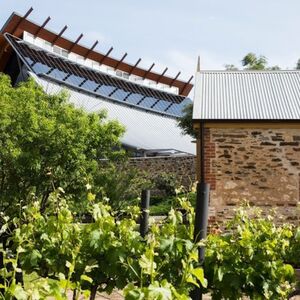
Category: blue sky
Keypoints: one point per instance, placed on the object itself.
(173, 32)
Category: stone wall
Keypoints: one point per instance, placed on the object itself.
(183, 167)
(259, 166)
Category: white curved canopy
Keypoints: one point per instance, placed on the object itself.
(144, 129)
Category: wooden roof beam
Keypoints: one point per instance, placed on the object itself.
(76, 42)
(120, 61)
(135, 65)
(90, 50)
(161, 75)
(21, 20)
(59, 35)
(187, 83)
(106, 55)
(148, 71)
(42, 26)
(174, 79)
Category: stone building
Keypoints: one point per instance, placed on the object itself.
(249, 122)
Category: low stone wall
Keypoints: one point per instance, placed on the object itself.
(260, 166)
(183, 167)
(219, 215)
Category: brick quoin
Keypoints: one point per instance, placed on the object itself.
(210, 154)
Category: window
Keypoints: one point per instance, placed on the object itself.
(119, 73)
(95, 65)
(79, 59)
(39, 42)
(28, 37)
(122, 74)
(125, 75)
(60, 51)
(48, 45)
(136, 78)
(56, 50)
(64, 53)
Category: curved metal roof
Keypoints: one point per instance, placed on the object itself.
(144, 130)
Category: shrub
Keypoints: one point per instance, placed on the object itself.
(166, 182)
(293, 255)
(249, 259)
(105, 254)
(45, 143)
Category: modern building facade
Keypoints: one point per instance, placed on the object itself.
(148, 104)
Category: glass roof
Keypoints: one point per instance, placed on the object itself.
(60, 69)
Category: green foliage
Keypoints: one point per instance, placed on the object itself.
(185, 122)
(45, 143)
(60, 255)
(105, 254)
(120, 183)
(161, 205)
(166, 183)
(298, 64)
(293, 256)
(230, 67)
(252, 62)
(249, 260)
(168, 267)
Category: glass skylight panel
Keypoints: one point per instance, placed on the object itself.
(66, 71)
(148, 102)
(90, 85)
(175, 109)
(57, 74)
(185, 102)
(75, 80)
(119, 94)
(29, 60)
(105, 90)
(161, 105)
(134, 98)
(39, 68)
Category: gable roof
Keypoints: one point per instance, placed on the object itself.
(247, 95)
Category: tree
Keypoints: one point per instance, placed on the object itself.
(185, 122)
(231, 67)
(46, 143)
(253, 62)
(298, 64)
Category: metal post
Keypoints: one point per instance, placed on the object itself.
(144, 220)
(201, 221)
(201, 217)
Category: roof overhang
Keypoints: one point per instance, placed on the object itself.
(17, 24)
(262, 124)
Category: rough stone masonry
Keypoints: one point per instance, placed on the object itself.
(261, 166)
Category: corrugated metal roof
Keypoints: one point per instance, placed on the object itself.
(144, 129)
(247, 95)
